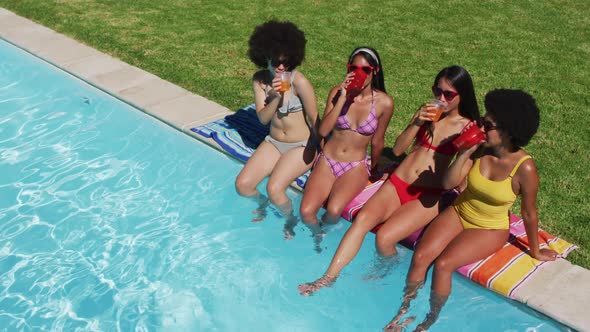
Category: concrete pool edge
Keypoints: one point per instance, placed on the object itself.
(145, 91)
(560, 292)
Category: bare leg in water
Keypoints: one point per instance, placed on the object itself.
(410, 293)
(291, 221)
(260, 212)
(436, 304)
(378, 208)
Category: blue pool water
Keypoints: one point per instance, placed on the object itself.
(112, 221)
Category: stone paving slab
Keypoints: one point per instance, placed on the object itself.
(94, 65)
(561, 290)
(151, 91)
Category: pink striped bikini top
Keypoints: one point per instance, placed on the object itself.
(367, 127)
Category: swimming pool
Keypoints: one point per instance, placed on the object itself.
(110, 221)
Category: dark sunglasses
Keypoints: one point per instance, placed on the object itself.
(366, 69)
(486, 124)
(449, 95)
(277, 62)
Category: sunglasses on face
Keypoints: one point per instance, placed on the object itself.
(449, 95)
(486, 124)
(367, 69)
(277, 62)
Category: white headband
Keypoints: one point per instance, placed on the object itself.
(366, 50)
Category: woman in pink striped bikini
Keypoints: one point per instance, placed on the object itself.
(353, 119)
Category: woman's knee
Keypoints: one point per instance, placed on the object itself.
(443, 265)
(275, 191)
(334, 210)
(367, 220)
(245, 186)
(385, 244)
(308, 212)
(422, 258)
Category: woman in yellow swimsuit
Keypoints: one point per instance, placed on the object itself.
(476, 225)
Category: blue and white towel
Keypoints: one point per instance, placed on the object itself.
(239, 134)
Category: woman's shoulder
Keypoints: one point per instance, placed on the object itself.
(299, 78)
(383, 99)
(527, 164)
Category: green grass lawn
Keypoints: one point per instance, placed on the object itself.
(542, 47)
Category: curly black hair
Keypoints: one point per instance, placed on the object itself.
(276, 40)
(516, 114)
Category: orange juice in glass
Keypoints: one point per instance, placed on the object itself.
(285, 81)
(439, 106)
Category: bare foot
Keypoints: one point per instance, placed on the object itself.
(317, 241)
(289, 228)
(260, 212)
(395, 326)
(309, 288)
(436, 304)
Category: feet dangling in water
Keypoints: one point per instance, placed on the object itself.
(289, 228)
(410, 293)
(260, 212)
(317, 241)
(436, 304)
(317, 233)
(397, 326)
(309, 288)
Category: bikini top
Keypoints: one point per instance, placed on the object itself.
(422, 139)
(367, 127)
(293, 104)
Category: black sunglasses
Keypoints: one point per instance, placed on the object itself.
(486, 124)
(277, 62)
(449, 95)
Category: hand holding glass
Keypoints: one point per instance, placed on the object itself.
(285, 81)
(469, 137)
(437, 111)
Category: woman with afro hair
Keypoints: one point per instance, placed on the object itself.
(476, 225)
(290, 148)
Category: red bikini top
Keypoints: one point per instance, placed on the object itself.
(422, 139)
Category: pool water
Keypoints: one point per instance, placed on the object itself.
(113, 221)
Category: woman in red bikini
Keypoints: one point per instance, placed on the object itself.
(410, 198)
(355, 119)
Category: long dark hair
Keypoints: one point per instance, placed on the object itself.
(372, 56)
(460, 79)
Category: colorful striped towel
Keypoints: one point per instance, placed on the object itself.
(507, 270)
(239, 134)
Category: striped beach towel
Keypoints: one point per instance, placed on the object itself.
(239, 134)
(509, 269)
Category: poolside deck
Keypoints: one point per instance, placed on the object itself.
(561, 292)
